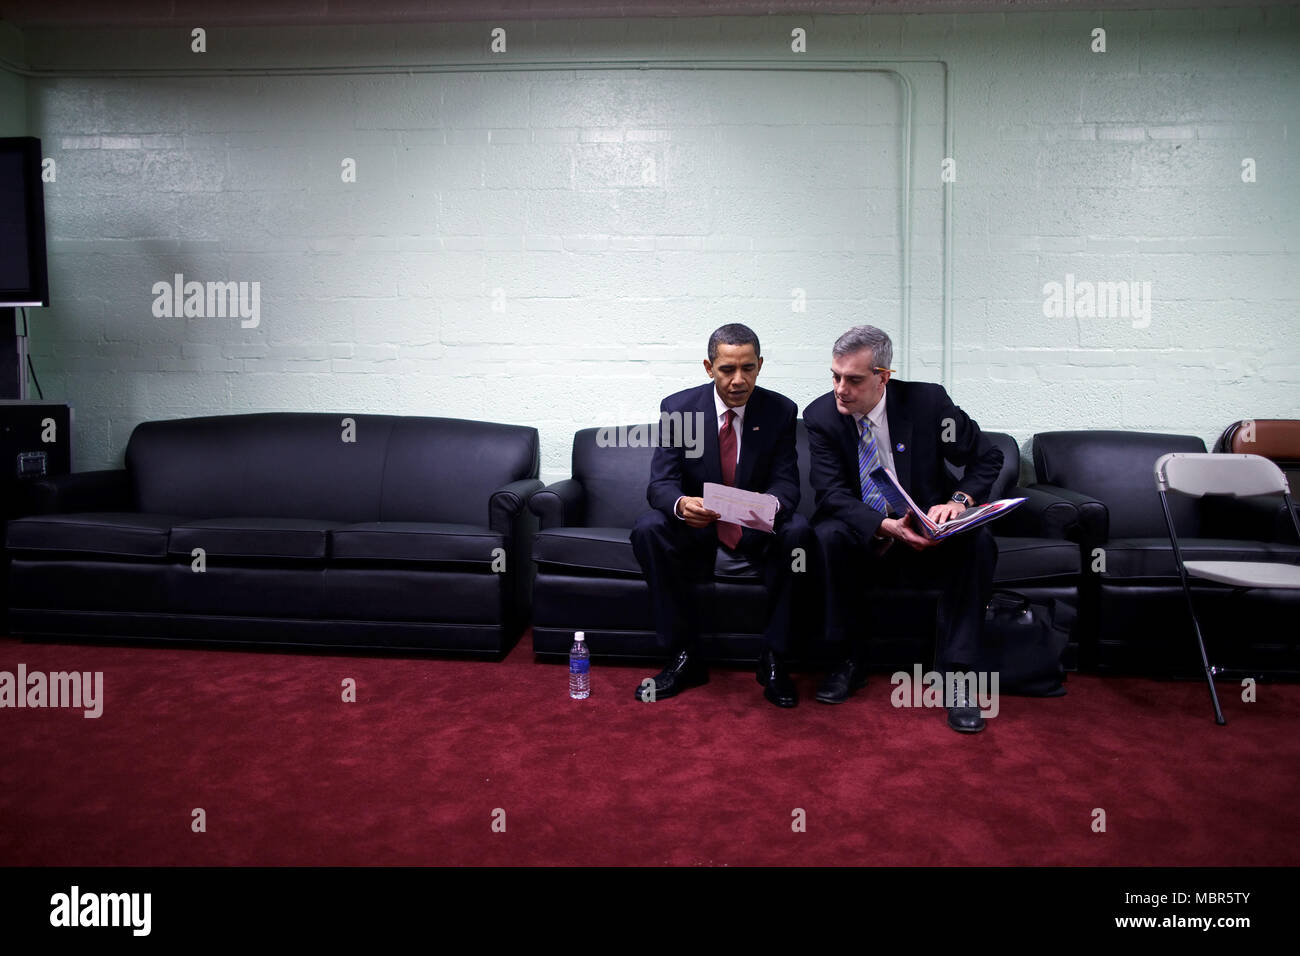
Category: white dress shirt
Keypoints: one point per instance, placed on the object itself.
(880, 428)
(737, 426)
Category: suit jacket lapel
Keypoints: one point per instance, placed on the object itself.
(749, 442)
(712, 454)
(900, 434)
(849, 439)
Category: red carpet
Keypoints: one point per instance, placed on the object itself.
(413, 771)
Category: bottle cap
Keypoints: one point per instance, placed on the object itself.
(580, 636)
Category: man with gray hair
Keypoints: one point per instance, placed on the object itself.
(869, 421)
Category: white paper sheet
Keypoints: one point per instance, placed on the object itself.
(749, 508)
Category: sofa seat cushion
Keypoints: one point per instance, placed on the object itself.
(1154, 557)
(1035, 559)
(609, 550)
(590, 549)
(123, 534)
(427, 541)
(733, 566)
(295, 538)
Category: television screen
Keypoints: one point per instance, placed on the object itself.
(23, 276)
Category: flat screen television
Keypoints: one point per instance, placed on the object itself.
(24, 280)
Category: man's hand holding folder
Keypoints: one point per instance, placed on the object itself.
(925, 524)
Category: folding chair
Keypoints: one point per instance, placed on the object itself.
(1238, 476)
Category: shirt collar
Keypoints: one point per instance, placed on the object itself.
(876, 415)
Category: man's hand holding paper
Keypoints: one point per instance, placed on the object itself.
(748, 508)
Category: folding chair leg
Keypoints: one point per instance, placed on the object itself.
(1191, 608)
(1205, 663)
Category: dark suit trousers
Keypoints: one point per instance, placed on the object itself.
(677, 559)
(961, 567)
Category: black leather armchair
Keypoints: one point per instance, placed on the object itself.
(588, 579)
(1278, 440)
(288, 528)
(1134, 615)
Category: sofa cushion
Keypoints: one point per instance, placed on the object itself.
(594, 549)
(613, 466)
(1004, 485)
(300, 538)
(415, 541)
(1032, 559)
(1118, 469)
(118, 533)
(344, 468)
(609, 550)
(445, 469)
(733, 566)
(1154, 557)
(269, 463)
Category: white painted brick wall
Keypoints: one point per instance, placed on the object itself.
(625, 214)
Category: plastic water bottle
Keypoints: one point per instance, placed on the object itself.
(579, 668)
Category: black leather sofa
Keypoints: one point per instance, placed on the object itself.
(588, 578)
(1134, 616)
(315, 529)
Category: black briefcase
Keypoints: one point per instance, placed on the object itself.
(1024, 642)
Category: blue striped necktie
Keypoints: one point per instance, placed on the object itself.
(869, 461)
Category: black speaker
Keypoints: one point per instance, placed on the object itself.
(35, 442)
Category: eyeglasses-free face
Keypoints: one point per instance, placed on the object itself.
(858, 381)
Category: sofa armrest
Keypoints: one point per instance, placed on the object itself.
(509, 515)
(81, 491)
(508, 503)
(1042, 515)
(1093, 526)
(560, 505)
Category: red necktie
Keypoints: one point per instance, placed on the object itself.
(728, 532)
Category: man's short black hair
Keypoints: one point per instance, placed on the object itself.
(733, 334)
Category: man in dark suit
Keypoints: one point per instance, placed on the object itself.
(869, 421)
(745, 438)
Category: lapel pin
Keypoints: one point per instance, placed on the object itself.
(899, 447)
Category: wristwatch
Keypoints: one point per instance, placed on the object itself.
(962, 498)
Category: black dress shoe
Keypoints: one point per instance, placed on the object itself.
(777, 685)
(963, 716)
(842, 682)
(683, 671)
